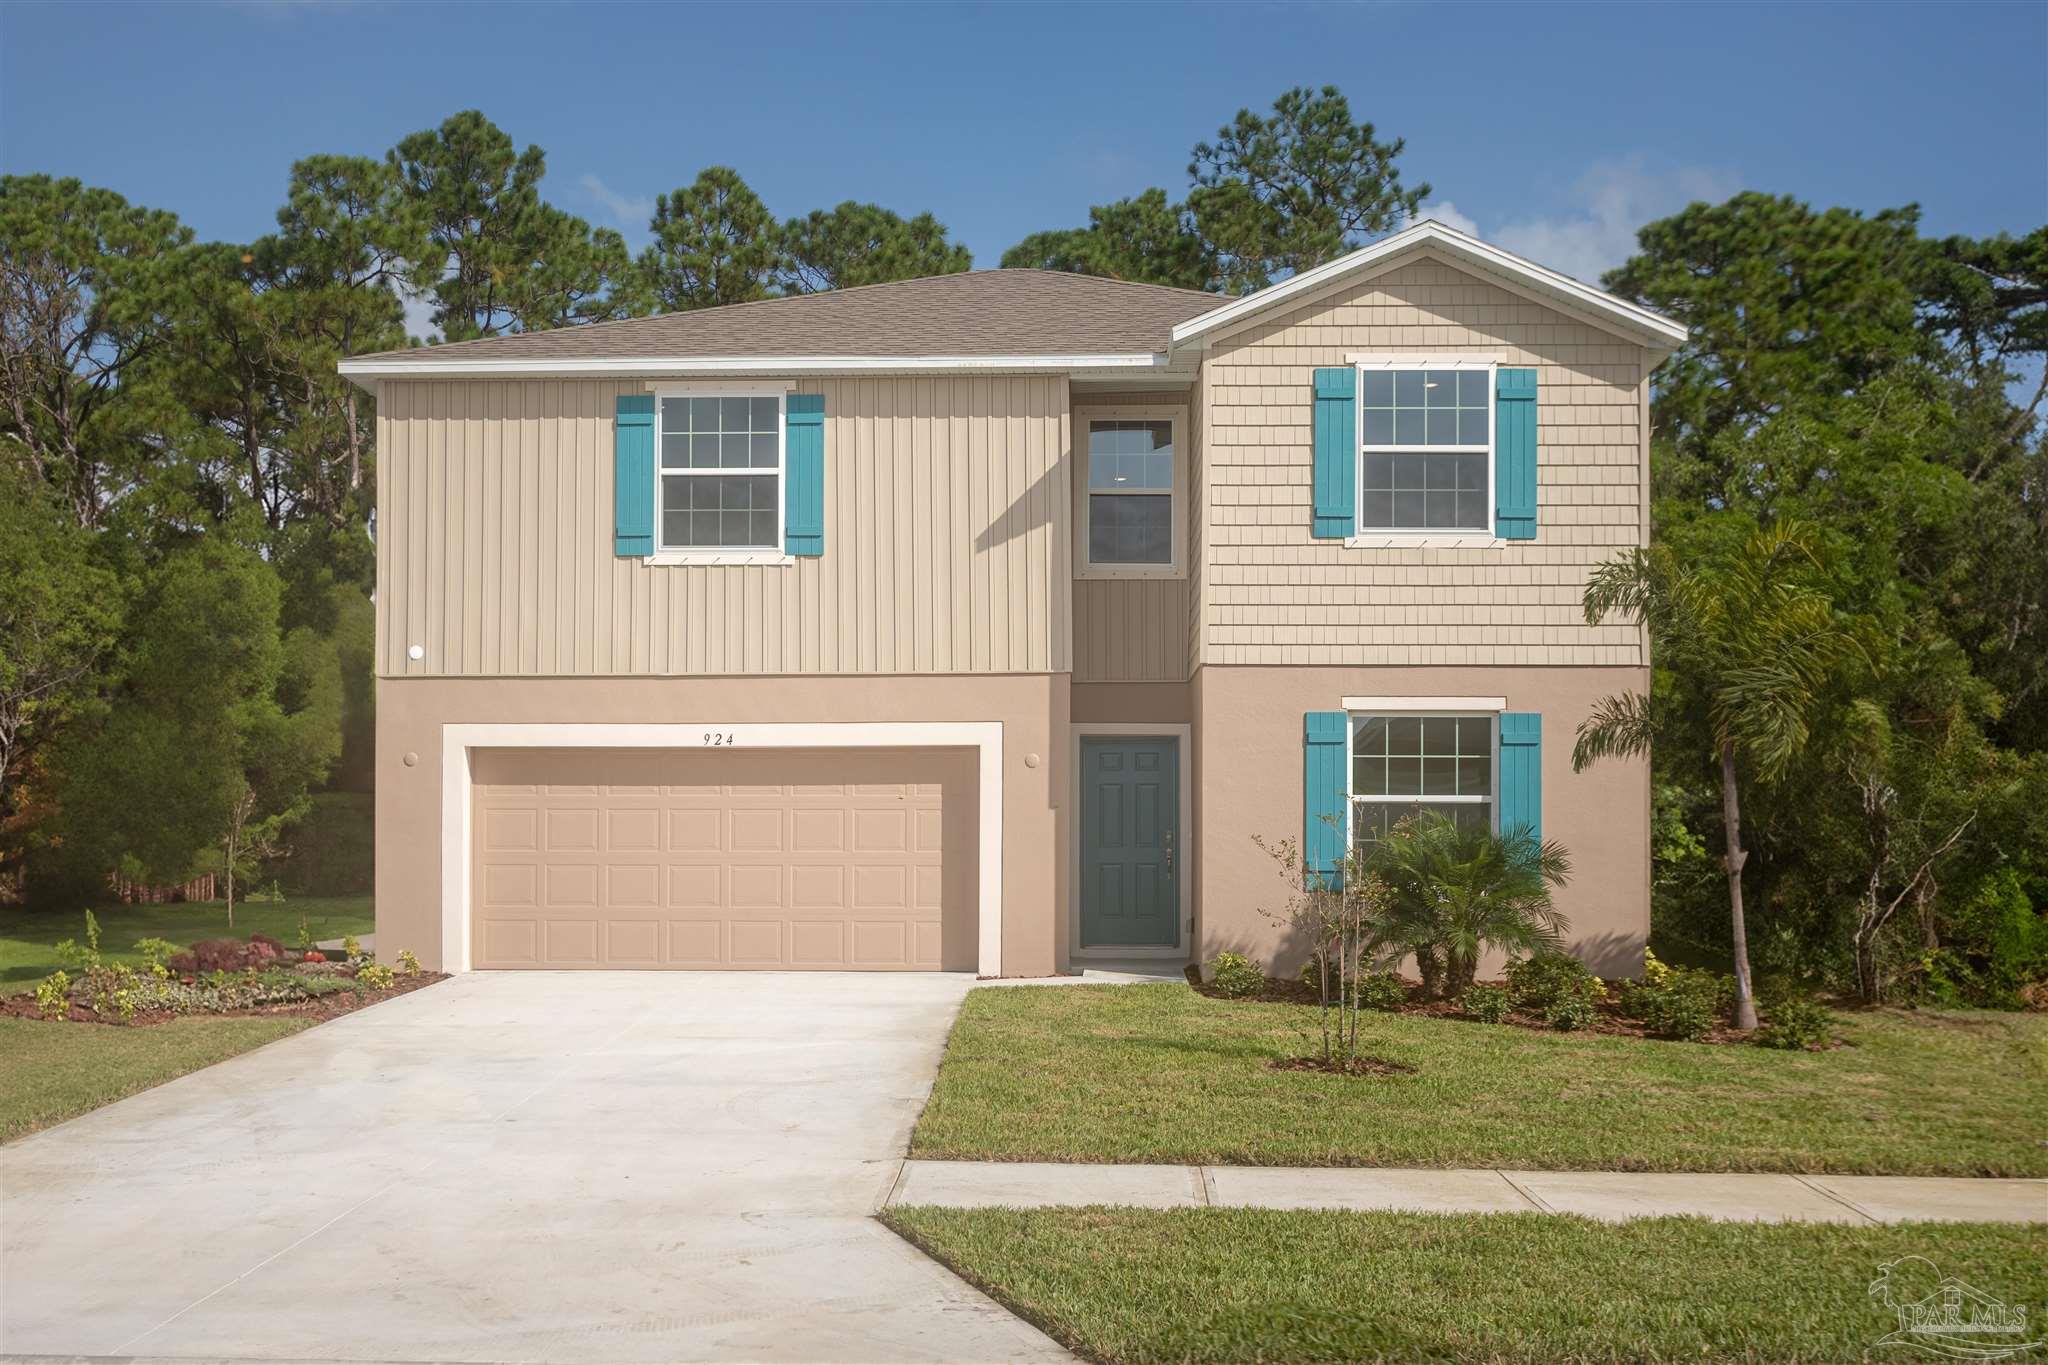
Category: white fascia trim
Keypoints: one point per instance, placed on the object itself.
(747, 364)
(1375, 705)
(1431, 233)
(458, 740)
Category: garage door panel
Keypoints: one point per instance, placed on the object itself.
(571, 830)
(632, 943)
(695, 943)
(509, 829)
(633, 830)
(696, 831)
(770, 859)
(633, 886)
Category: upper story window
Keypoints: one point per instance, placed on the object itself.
(1426, 446)
(720, 472)
(1404, 763)
(1131, 488)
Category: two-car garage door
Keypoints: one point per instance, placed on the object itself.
(825, 859)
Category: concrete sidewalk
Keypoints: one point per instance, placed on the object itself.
(1613, 1195)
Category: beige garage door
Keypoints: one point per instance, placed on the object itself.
(771, 859)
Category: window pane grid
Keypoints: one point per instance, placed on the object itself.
(1130, 492)
(720, 479)
(1425, 408)
(1427, 438)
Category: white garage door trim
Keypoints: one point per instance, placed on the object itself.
(457, 741)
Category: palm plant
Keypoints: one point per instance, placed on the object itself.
(1750, 637)
(1457, 891)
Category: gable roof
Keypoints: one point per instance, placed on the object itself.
(1617, 314)
(983, 315)
(979, 320)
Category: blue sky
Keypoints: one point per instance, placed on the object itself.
(1553, 130)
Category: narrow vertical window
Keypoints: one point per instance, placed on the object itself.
(1132, 479)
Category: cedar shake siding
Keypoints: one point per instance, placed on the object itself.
(1271, 594)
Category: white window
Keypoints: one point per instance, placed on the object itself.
(720, 472)
(1403, 763)
(1130, 516)
(1425, 430)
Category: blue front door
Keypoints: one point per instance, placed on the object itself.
(1131, 853)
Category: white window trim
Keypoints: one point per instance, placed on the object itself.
(685, 554)
(1420, 708)
(1177, 566)
(1423, 538)
(1137, 730)
(459, 743)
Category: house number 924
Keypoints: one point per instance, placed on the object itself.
(718, 739)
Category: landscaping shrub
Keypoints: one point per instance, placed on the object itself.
(1572, 1013)
(1793, 1022)
(214, 976)
(1381, 991)
(1488, 1004)
(1540, 983)
(1234, 975)
(1678, 1002)
(53, 994)
(408, 963)
(1457, 891)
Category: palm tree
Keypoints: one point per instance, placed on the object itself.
(1750, 636)
(1457, 891)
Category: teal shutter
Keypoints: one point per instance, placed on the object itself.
(1336, 458)
(633, 475)
(803, 498)
(1323, 791)
(1514, 454)
(1521, 771)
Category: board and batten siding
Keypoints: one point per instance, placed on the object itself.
(946, 539)
(1269, 593)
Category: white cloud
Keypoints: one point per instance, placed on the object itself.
(1445, 212)
(1615, 198)
(630, 212)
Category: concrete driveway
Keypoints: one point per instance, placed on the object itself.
(513, 1167)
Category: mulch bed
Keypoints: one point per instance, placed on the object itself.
(1608, 1020)
(1356, 1066)
(329, 1006)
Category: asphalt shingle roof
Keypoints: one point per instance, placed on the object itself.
(979, 312)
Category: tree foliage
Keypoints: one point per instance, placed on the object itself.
(1144, 240)
(1274, 194)
(1881, 391)
(714, 243)
(856, 244)
(1277, 194)
(498, 258)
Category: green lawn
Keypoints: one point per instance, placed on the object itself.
(26, 934)
(1256, 1284)
(1159, 1073)
(51, 1072)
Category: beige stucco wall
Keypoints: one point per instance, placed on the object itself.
(946, 540)
(1033, 710)
(1249, 781)
(1272, 594)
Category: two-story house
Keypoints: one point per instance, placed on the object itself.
(979, 622)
